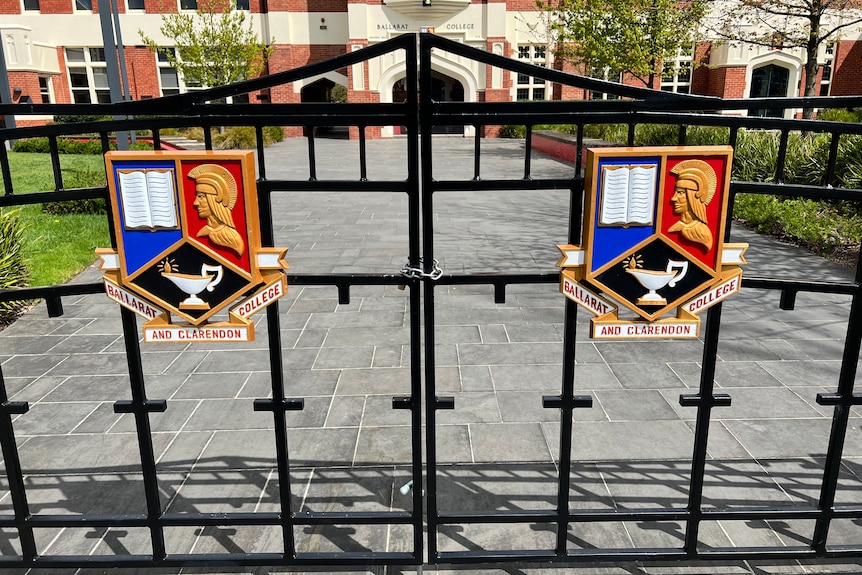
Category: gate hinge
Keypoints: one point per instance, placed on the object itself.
(418, 273)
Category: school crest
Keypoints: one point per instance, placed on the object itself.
(188, 236)
(653, 241)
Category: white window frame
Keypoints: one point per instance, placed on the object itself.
(47, 91)
(162, 63)
(677, 82)
(605, 74)
(828, 64)
(89, 65)
(533, 88)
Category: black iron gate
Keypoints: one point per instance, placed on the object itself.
(427, 522)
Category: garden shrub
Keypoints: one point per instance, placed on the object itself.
(79, 178)
(13, 270)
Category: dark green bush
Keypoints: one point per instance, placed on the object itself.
(513, 132)
(13, 270)
(64, 146)
(77, 119)
(79, 178)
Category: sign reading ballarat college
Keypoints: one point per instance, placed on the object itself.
(188, 238)
(653, 240)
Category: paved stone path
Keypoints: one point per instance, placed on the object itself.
(498, 448)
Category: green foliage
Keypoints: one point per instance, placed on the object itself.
(56, 247)
(514, 132)
(245, 137)
(76, 119)
(13, 270)
(273, 134)
(840, 115)
(213, 47)
(821, 226)
(633, 36)
(64, 146)
(236, 138)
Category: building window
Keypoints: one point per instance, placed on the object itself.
(677, 77)
(45, 89)
(530, 87)
(135, 5)
(826, 76)
(31, 5)
(189, 4)
(88, 75)
(84, 5)
(605, 74)
(243, 5)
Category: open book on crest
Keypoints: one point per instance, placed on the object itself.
(628, 195)
(148, 198)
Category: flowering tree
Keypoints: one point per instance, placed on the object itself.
(788, 24)
(214, 47)
(624, 36)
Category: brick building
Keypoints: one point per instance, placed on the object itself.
(53, 52)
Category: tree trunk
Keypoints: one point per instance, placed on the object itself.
(811, 66)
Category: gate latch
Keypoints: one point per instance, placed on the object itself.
(418, 273)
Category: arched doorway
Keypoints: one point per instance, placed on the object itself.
(770, 81)
(324, 90)
(446, 89)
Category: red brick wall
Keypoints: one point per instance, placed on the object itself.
(29, 84)
(10, 6)
(143, 73)
(160, 6)
(726, 82)
(62, 92)
(847, 69)
(309, 5)
(56, 6)
(496, 95)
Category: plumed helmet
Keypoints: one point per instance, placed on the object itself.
(216, 180)
(704, 177)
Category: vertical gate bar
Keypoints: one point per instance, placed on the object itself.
(145, 437)
(528, 151)
(701, 429)
(834, 144)
(566, 415)
(15, 475)
(261, 162)
(476, 153)
(276, 369)
(363, 163)
(567, 391)
(840, 417)
(631, 134)
(55, 162)
(734, 136)
(208, 137)
(782, 156)
(157, 140)
(681, 136)
(425, 118)
(579, 150)
(312, 160)
(4, 167)
(414, 229)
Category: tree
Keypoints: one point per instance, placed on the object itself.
(214, 47)
(625, 36)
(789, 24)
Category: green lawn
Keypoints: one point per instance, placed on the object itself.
(58, 247)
